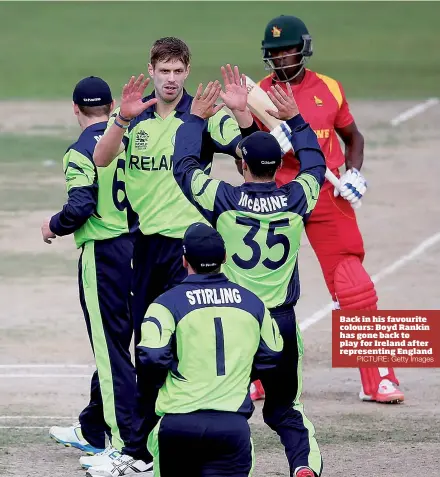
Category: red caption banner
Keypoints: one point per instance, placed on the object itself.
(381, 338)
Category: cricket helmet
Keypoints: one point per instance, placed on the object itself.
(282, 33)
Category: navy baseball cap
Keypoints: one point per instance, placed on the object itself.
(203, 247)
(261, 150)
(92, 91)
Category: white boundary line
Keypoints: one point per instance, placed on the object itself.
(45, 366)
(24, 427)
(414, 111)
(400, 262)
(42, 376)
(37, 417)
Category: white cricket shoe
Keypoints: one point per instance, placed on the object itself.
(102, 458)
(72, 437)
(387, 392)
(122, 465)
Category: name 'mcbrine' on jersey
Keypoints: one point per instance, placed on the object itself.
(151, 188)
(260, 223)
(97, 206)
(201, 340)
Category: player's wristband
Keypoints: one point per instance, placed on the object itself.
(122, 126)
(123, 119)
(245, 132)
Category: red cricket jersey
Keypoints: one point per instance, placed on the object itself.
(322, 103)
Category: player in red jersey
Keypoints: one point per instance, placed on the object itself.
(332, 227)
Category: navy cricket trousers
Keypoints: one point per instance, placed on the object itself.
(282, 410)
(157, 267)
(105, 278)
(206, 443)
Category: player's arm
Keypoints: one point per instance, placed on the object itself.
(225, 134)
(353, 184)
(304, 190)
(155, 349)
(82, 192)
(113, 142)
(270, 347)
(155, 355)
(348, 131)
(234, 97)
(198, 187)
(116, 137)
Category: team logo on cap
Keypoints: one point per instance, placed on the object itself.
(141, 140)
(276, 32)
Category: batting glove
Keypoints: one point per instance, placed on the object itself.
(353, 186)
(282, 134)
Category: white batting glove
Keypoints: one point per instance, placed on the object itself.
(282, 134)
(353, 186)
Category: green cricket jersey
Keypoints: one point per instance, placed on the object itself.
(260, 223)
(97, 206)
(151, 189)
(199, 343)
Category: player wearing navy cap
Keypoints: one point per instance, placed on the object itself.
(96, 215)
(262, 227)
(200, 341)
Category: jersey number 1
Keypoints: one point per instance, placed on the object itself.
(219, 347)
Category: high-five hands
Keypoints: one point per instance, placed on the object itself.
(235, 92)
(131, 99)
(284, 102)
(203, 104)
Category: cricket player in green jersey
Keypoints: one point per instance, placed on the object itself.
(96, 214)
(199, 343)
(145, 127)
(262, 227)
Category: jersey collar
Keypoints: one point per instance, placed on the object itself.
(260, 186)
(182, 106)
(199, 278)
(96, 127)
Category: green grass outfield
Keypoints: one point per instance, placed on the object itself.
(377, 49)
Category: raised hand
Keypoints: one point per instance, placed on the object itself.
(131, 99)
(203, 104)
(235, 94)
(284, 102)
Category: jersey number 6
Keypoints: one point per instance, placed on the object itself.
(119, 185)
(272, 239)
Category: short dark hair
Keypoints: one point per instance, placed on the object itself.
(170, 48)
(96, 111)
(263, 172)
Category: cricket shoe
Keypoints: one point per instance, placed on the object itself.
(257, 391)
(387, 393)
(304, 472)
(122, 465)
(102, 458)
(72, 437)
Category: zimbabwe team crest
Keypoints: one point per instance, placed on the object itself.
(141, 140)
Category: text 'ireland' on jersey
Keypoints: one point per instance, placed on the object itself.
(151, 188)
